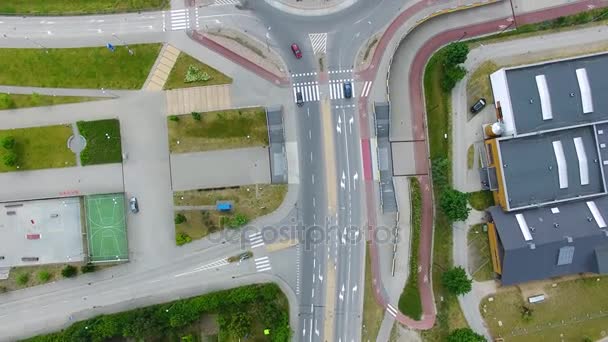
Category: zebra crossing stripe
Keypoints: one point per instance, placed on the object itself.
(318, 42)
(367, 86)
(256, 240)
(391, 310)
(262, 264)
(224, 2)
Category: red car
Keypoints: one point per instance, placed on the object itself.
(296, 51)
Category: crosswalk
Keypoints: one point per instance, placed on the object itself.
(179, 19)
(225, 2)
(340, 71)
(309, 90)
(336, 89)
(319, 42)
(262, 264)
(256, 240)
(367, 86)
(304, 74)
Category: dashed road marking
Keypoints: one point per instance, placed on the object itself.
(256, 240)
(309, 91)
(340, 71)
(367, 86)
(304, 74)
(346, 106)
(318, 42)
(262, 264)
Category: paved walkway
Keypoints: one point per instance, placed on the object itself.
(198, 99)
(162, 68)
(311, 7)
(213, 169)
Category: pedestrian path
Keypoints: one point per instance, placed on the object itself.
(309, 91)
(256, 240)
(162, 68)
(318, 42)
(262, 264)
(367, 87)
(336, 88)
(198, 99)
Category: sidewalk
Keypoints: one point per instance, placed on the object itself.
(311, 7)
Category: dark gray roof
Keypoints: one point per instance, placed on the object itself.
(561, 82)
(537, 258)
(530, 169)
(601, 258)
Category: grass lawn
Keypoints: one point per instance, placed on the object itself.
(251, 200)
(409, 301)
(39, 148)
(176, 77)
(480, 263)
(572, 310)
(103, 141)
(12, 101)
(78, 6)
(372, 312)
(235, 128)
(97, 68)
(478, 85)
(33, 276)
(481, 200)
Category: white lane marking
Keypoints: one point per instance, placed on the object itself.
(313, 179)
(318, 42)
(367, 86)
(214, 264)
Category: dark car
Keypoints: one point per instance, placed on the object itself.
(296, 50)
(299, 99)
(478, 106)
(348, 90)
(133, 205)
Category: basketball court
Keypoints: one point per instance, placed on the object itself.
(106, 227)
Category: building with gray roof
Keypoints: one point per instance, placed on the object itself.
(549, 167)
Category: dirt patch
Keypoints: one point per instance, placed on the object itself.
(249, 47)
(208, 325)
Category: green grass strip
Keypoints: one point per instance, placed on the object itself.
(103, 142)
(71, 7)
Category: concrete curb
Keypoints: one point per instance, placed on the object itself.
(301, 11)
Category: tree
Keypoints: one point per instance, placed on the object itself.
(196, 116)
(456, 281)
(240, 324)
(10, 159)
(69, 271)
(465, 335)
(8, 142)
(455, 204)
(451, 75)
(44, 276)
(179, 218)
(455, 53)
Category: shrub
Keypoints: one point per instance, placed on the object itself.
(6, 101)
(455, 53)
(453, 203)
(8, 142)
(69, 271)
(238, 220)
(526, 313)
(182, 239)
(174, 118)
(88, 268)
(456, 281)
(44, 276)
(23, 278)
(451, 75)
(180, 218)
(465, 335)
(10, 159)
(194, 74)
(196, 116)
(440, 168)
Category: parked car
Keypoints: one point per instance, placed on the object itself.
(348, 90)
(296, 50)
(478, 106)
(133, 205)
(299, 99)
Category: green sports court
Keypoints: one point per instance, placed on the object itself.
(106, 226)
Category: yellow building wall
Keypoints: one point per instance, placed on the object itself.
(499, 195)
(495, 256)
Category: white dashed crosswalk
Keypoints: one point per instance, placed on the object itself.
(225, 2)
(304, 74)
(340, 71)
(318, 42)
(336, 89)
(367, 86)
(179, 19)
(309, 90)
(256, 240)
(262, 264)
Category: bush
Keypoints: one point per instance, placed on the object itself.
(69, 271)
(194, 74)
(23, 278)
(7, 102)
(44, 276)
(440, 168)
(465, 335)
(453, 203)
(456, 281)
(179, 219)
(526, 313)
(10, 159)
(455, 53)
(174, 118)
(88, 268)
(182, 239)
(196, 116)
(8, 142)
(238, 220)
(451, 75)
